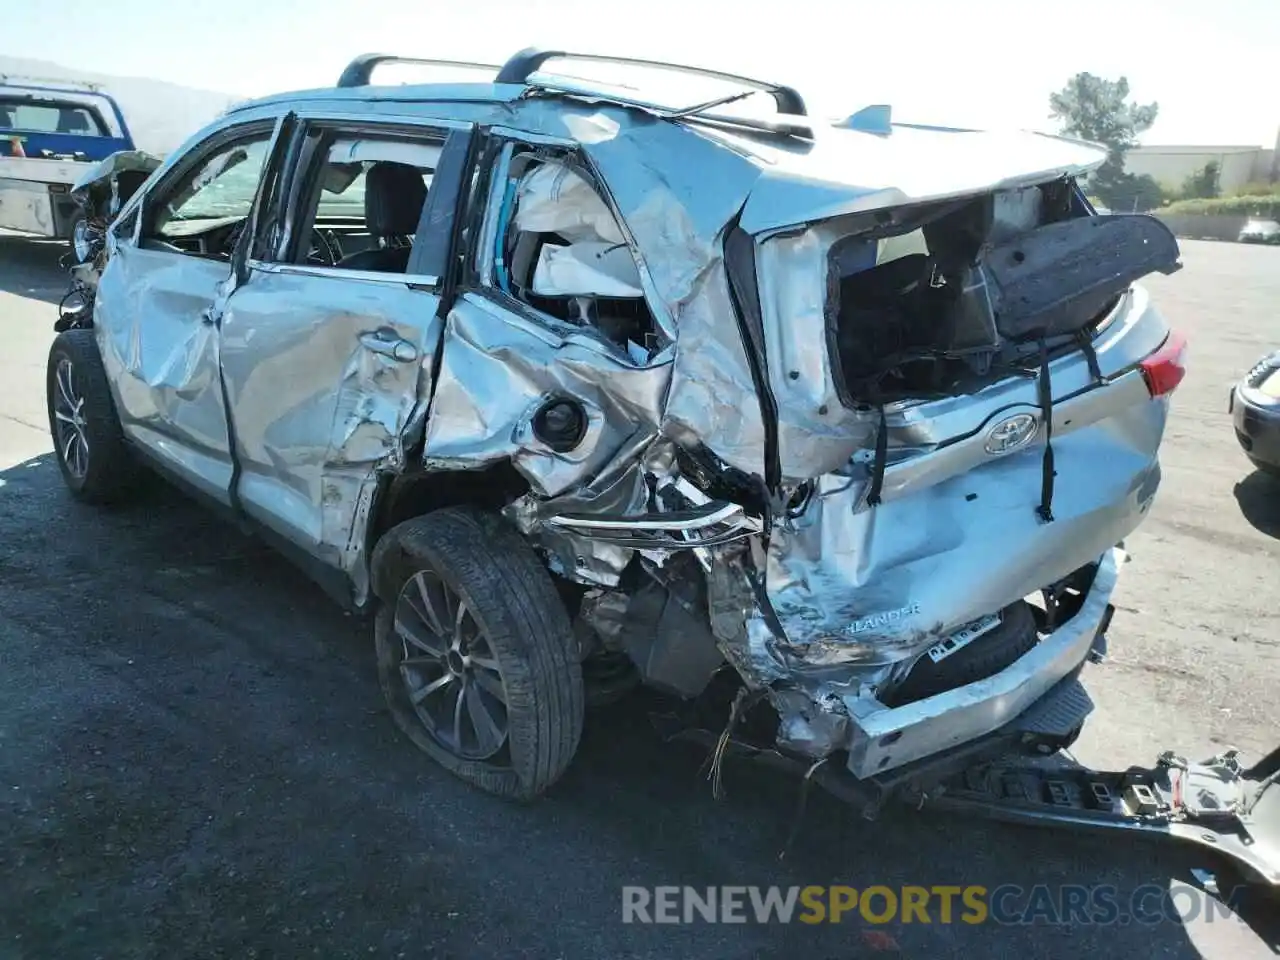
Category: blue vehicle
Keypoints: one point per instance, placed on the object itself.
(50, 134)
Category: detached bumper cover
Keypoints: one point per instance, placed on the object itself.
(884, 738)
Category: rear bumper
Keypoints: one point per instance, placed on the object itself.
(1256, 418)
(884, 738)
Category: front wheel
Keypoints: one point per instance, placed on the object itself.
(476, 656)
(81, 240)
(87, 440)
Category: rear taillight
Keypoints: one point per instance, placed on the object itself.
(1165, 368)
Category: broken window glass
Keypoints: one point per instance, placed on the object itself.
(560, 250)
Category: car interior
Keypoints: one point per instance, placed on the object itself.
(365, 204)
(561, 251)
(204, 213)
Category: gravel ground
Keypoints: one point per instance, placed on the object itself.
(195, 762)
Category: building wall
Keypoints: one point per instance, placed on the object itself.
(1170, 166)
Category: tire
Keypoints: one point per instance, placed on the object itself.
(90, 448)
(981, 658)
(514, 620)
(1270, 469)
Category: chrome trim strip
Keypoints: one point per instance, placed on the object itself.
(650, 521)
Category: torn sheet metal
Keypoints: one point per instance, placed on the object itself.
(620, 489)
(869, 587)
(817, 433)
(122, 161)
(677, 192)
(845, 171)
(713, 400)
(497, 370)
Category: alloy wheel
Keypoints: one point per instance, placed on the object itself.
(72, 431)
(450, 674)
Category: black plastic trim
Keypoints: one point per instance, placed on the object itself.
(744, 291)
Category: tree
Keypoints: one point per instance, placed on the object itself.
(1202, 184)
(1093, 108)
(1136, 192)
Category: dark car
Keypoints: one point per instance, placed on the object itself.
(1255, 412)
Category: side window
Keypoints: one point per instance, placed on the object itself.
(363, 201)
(559, 249)
(204, 211)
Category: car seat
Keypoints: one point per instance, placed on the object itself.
(72, 121)
(393, 197)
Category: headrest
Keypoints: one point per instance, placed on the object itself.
(393, 198)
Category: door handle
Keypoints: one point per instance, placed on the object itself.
(389, 345)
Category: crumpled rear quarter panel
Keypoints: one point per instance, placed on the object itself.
(497, 369)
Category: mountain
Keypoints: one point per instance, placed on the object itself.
(160, 115)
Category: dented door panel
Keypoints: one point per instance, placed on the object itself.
(160, 347)
(323, 374)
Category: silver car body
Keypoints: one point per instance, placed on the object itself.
(1260, 231)
(295, 393)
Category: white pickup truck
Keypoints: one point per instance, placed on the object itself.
(51, 133)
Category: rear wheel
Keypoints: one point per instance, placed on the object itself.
(95, 462)
(476, 657)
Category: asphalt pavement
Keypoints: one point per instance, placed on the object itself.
(195, 760)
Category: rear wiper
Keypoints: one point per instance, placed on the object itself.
(711, 104)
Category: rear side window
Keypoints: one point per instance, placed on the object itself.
(360, 203)
(46, 117)
(558, 248)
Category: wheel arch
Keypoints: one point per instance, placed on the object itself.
(403, 496)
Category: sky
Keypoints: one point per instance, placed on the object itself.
(1214, 67)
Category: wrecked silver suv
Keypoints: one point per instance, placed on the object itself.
(840, 422)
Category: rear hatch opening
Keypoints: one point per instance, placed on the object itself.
(942, 298)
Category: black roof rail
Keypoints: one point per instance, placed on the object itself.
(528, 61)
(360, 69)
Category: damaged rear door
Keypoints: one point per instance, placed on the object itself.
(160, 298)
(328, 343)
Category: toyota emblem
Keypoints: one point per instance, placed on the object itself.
(1012, 433)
